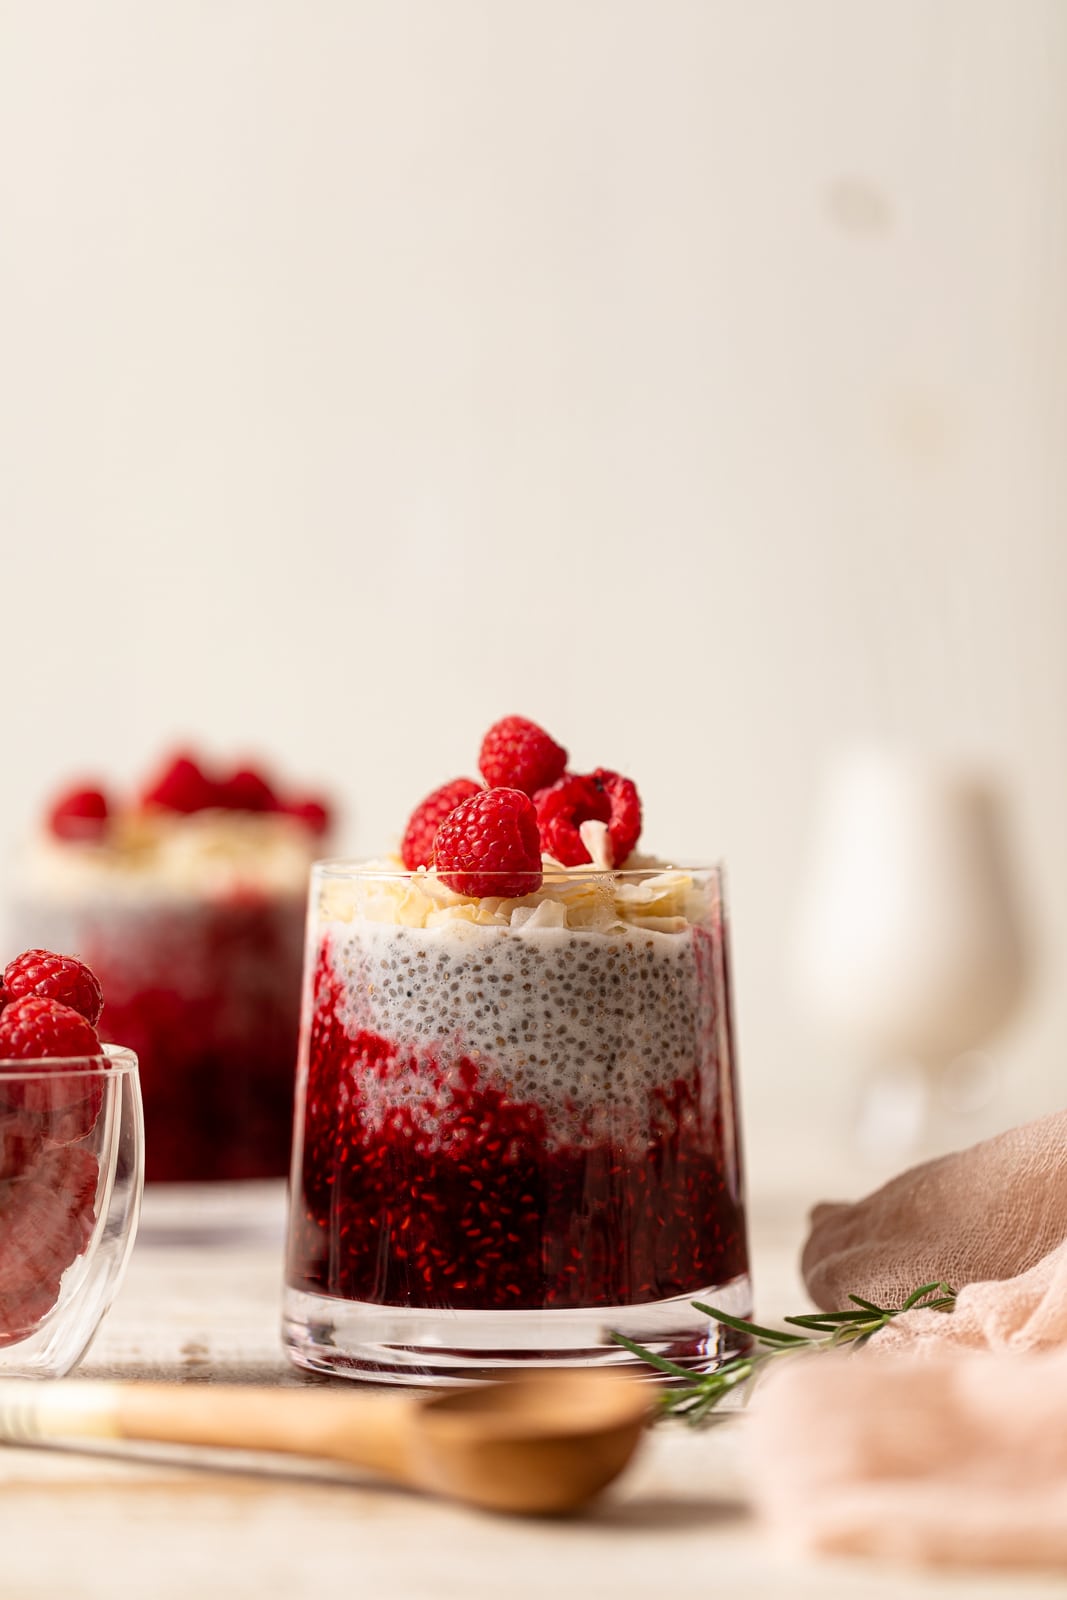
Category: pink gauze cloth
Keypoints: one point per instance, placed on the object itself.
(959, 1459)
(945, 1438)
(990, 1221)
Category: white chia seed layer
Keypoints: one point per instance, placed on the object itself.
(587, 1025)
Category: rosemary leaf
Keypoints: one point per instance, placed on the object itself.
(864, 1305)
(695, 1400)
(752, 1329)
(928, 1288)
(659, 1362)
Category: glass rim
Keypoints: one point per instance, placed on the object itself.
(376, 871)
(112, 1059)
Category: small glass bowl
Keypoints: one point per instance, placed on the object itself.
(71, 1174)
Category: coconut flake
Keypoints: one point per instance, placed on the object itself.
(597, 840)
(549, 914)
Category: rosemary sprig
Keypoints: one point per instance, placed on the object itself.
(699, 1393)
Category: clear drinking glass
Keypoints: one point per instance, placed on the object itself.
(71, 1173)
(516, 1125)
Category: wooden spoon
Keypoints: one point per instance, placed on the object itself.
(538, 1443)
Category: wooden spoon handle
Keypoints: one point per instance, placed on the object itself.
(363, 1430)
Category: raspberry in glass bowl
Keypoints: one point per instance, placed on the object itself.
(187, 900)
(517, 1127)
(71, 1164)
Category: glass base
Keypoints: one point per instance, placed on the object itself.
(396, 1344)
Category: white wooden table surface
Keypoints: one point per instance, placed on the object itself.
(80, 1525)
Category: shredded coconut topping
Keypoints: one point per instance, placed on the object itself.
(662, 899)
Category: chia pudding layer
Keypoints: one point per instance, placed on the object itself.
(518, 1104)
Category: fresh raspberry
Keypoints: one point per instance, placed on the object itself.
(64, 1105)
(624, 818)
(599, 796)
(46, 1222)
(182, 785)
(517, 754)
(79, 814)
(314, 814)
(67, 1106)
(54, 1105)
(72, 1172)
(62, 978)
(416, 849)
(562, 809)
(36, 1028)
(22, 1313)
(489, 845)
(20, 1142)
(246, 790)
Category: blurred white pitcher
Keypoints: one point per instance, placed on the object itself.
(909, 945)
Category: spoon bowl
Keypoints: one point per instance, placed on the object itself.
(546, 1442)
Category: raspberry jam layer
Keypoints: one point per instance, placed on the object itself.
(207, 994)
(437, 1172)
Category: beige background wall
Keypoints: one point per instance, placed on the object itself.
(691, 376)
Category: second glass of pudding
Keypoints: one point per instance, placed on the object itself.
(516, 1125)
(194, 925)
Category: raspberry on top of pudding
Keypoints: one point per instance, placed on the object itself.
(507, 854)
(187, 831)
(529, 806)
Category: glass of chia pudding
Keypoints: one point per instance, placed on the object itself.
(188, 901)
(517, 1127)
